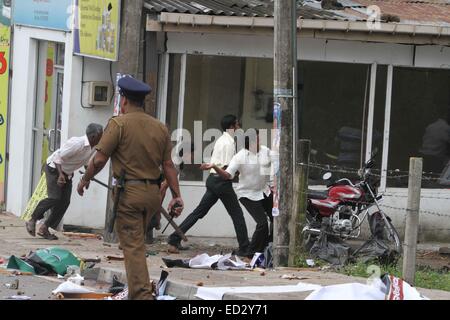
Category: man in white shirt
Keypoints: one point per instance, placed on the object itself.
(72, 155)
(218, 188)
(253, 190)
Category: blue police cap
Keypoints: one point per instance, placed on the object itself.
(133, 88)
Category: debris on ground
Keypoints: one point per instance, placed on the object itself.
(45, 261)
(330, 249)
(310, 262)
(204, 261)
(2, 261)
(387, 287)
(292, 277)
(18, 297)
(13, 285)
(80, 235)
(11, 272)
(444, 250)
(77, 279)
(116, 286)
(92, 260)
(70, 290)
(217, 293)
(119, 290)
(199, 284)
(115, 258)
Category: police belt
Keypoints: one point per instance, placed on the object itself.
(142, 181)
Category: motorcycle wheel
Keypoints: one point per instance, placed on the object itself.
(385, 231)
(308, 238)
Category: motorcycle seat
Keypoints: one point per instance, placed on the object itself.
(317, 194)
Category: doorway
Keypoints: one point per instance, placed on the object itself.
(48, 105)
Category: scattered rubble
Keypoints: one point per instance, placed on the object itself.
(293, 277)
(13, 285)
(115, 258)
(79, 235)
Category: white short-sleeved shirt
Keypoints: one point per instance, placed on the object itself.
(223, 152)
(73, 154)
(255, 173)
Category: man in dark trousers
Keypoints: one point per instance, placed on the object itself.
(59, 169)
(218, 188)
(138, 145)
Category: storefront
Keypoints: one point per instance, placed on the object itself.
(355, 97)
(52, 97)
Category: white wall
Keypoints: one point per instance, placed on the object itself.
(310, 49)
(90, 209)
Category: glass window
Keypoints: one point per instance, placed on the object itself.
(216, 86)
(333, 107)
(173, 91)
(420, 125)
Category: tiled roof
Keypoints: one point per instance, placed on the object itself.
(433, 12)
(239, 8)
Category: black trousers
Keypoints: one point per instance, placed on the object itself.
(58, 199)
(261, 211)
(217, 188)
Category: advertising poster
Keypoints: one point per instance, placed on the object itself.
(275, 157)
(97, 28)
(50, 14)
(5, 36)
(49, 70)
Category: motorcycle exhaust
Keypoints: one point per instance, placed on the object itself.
(311, 230)
(318, 232)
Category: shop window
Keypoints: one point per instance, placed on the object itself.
(333, 103)
(173, 91)
(216, 86)
(420, 126)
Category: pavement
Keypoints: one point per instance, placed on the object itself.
(182, 283)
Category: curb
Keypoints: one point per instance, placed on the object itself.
(180, 290)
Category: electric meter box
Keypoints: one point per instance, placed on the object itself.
(100, 93)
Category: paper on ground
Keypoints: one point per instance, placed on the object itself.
(216, 293)
(348, 291)
(70, 287)
(166, 297)
(204, 261)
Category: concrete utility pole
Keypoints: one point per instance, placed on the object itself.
(298, 219)
(285, 73)
(130, 31)
(412, 220)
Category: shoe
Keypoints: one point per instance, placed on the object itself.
(241, 253)
(182, 248)
(31, 227)
(172, 249)
(47, 235)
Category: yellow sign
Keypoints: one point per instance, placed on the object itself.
(49, 70)
(97, 27)
(4, 80)
(40, 193)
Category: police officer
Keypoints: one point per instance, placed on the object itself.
(140, 145)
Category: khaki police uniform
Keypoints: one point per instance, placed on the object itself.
(139, 144)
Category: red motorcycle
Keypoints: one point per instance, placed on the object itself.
(342, 208)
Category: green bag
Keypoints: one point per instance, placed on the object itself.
(19, 264)
(52, 259)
